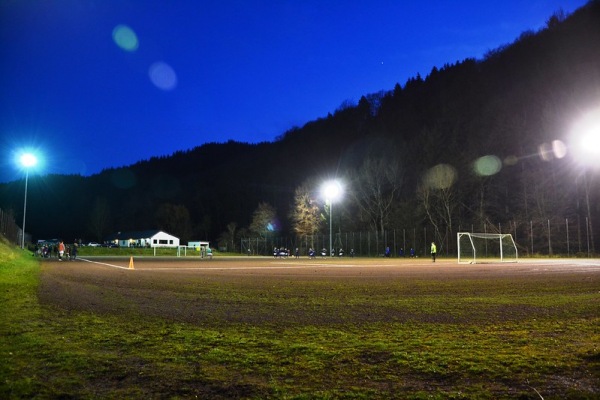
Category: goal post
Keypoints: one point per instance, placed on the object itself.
(486, 247)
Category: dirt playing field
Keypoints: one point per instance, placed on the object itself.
(180, 289)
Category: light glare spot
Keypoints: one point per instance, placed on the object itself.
(28, 160)
(442, 176)
(585, 138)
(487, 165)
(559, 149)
(332, 191)
(591, 142)
(125, 38)
(163, 76)
(545, 152)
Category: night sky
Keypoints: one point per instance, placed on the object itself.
(90, 85)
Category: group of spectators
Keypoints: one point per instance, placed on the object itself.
(284, 252)
(57, 250)
(312, 253)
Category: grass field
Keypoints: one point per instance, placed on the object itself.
(289, 329)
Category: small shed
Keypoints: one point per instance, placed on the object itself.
(197, 245)
(149, 238)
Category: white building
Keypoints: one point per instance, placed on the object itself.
(150, 238)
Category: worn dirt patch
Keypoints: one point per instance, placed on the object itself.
(253, 290)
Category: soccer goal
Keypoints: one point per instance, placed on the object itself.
(486, 247)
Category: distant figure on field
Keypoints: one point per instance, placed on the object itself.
(61, 250)
(74, 252)
(433, 251)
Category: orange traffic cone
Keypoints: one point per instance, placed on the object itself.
(131, 263)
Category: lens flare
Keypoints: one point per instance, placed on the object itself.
(125, 38)
(559, 149)
(545, 152)
(487, 165)
(442, 176)
(163, 76)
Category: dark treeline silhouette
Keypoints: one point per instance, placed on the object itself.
(423, 140)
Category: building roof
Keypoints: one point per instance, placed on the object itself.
(136, 234)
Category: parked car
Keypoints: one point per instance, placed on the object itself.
(93, 244)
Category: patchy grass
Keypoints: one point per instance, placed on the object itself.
(313, 337)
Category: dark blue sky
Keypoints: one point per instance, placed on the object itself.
(107, 83)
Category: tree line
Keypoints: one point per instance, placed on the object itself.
(474, 143)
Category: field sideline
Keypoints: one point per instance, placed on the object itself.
(373, 265)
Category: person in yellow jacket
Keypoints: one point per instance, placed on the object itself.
(433, 251)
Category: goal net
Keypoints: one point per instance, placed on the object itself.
(486, 247)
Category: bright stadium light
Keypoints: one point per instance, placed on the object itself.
(332, 191)
(28, 161)
(585, 143)
(585, 137)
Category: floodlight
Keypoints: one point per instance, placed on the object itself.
(27, 160)
(332, 191)
(585, 136)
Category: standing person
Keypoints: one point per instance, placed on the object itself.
(61, 250)
(433, 251)
(74, 251)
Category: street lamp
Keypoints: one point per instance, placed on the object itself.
(332, 190)
(28, 160)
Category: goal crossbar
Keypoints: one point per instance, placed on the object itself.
(486, 247)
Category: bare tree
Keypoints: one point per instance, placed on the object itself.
(263, 220)
(438, 198)
(228, 237)
(376, 186)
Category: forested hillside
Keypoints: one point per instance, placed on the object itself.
(476, 144)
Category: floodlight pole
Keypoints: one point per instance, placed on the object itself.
(24, 209)
(27, 161)
(331, 227)
(331, 191)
